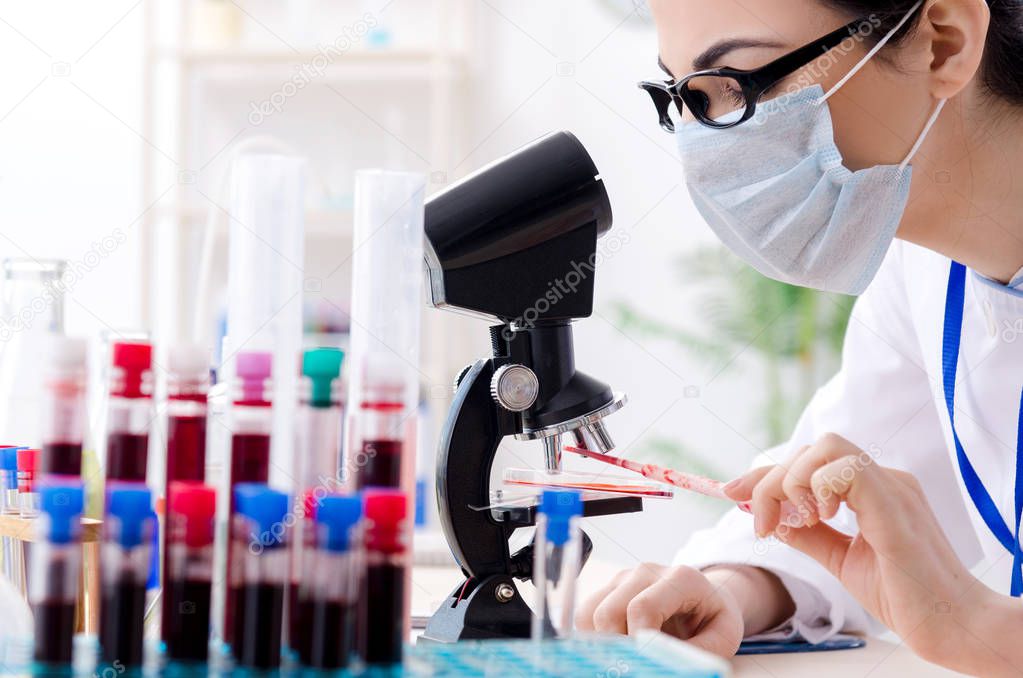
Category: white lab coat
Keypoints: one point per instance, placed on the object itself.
(888, 399)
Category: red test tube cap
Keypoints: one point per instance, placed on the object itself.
(386, 508)
(197, 503)
(28, 460)
(133, 355)
(133, 358)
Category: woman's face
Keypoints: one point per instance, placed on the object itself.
(877, 115)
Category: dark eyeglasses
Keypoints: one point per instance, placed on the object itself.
(712, 94)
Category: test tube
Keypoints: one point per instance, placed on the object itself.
(188, 571)
(9, 471)
(130, 411)
(63, 407)
(14, 566)
(28, 496)
(329, 588)
(188, 384)
(251, 422)
(260, 574)
(381, 629)
(56, 562)
(557, 559)
(315, 470)
(386, 312)
(127, 536)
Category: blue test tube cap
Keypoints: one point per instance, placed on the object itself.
(62, 503)
(560, 506)
(339, 513)
(9, 457)
(266, 507)
(131, 505)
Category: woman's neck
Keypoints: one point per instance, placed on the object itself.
(968, 190)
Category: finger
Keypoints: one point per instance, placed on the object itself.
(741, 489)
(767, 498)
(610, 615)
(721, 635)
(821, 542)
(681, 590)
(584, 615)
(839, 480)
(797, 487)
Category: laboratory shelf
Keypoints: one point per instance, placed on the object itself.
(23, 529)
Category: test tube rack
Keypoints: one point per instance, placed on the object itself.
(22, 531)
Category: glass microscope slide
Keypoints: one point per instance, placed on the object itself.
(596, 482)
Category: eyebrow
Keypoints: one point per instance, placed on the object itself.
(713, 54)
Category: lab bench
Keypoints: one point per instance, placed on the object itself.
(879, 659)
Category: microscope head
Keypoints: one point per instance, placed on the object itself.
(498, 241)
(516, 242)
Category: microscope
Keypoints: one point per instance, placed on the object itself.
(515, 243)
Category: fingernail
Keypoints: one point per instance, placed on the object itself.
(731, 485)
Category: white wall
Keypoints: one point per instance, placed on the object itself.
(69, 175)
(70, 112)
(576, 68)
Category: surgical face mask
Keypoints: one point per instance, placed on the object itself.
(776, 192)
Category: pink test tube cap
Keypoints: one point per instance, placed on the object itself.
(253, 368)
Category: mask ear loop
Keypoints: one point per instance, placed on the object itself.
(923, 135)
(870, 55)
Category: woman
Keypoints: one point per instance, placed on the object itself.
(863, 146)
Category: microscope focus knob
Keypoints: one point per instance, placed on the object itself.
(458, 379)
(514, 387)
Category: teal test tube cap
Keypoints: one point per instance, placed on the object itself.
(322, 366)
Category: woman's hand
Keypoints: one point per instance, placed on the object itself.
(713, 609)
(900, 566)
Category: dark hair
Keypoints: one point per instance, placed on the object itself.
(1002, 69)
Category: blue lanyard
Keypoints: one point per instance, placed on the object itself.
(955, 303)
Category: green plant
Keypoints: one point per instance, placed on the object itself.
(794, 330)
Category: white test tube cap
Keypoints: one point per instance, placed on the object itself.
(188, 359)
(66, 354)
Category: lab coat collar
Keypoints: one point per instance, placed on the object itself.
(1013, 289)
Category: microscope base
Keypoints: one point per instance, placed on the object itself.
(481, 615)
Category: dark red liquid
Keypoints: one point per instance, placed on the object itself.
(259, 612)
(381, 614)
(298, 623)
(382, 464)
(120, 622)
(250, 458)
(250, 463)
(55, 627)
(333, 633)
(186, 448)
(186, 619)
(64, 459)
(126, 456)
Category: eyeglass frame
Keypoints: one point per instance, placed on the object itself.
(754, 83)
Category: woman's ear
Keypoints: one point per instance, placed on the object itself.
(957, 32)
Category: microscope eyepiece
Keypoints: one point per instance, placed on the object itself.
(499, 241)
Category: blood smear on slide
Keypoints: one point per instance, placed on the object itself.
(611, 485)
